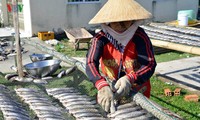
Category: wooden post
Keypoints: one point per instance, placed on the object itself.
(17, 38)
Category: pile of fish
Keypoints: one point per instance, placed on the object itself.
(82, 107)
(161, 31)
(131, 111)
(11, 109)
(40, 104)
(68, 103)
(7, 49)
(42, 81)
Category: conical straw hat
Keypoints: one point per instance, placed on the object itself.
(120, 10)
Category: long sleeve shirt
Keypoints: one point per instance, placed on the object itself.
(137, 59)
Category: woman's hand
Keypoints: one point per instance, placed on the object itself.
(123, 86)
(105, 98)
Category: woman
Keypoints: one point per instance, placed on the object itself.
(123, 51)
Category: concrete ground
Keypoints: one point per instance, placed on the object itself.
(183, 72)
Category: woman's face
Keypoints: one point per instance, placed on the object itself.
(121, 26)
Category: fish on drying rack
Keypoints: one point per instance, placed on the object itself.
(159, 36)
(172, 33)
(10, 108)
(40, 104)
(79, 105)
(189, 31)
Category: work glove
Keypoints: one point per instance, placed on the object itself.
(123, 87)
(105, 98)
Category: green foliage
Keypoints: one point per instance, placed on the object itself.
(177, 104)
(172, 56)
(59, 47)
(67, 48)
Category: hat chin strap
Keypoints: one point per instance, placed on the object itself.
(124, 37)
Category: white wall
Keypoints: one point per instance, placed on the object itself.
(188, 4)
(44, 15)
(27, 17)
(147, 4)
(78, 15)
(4, 10)
(166, 10)
(47, 14)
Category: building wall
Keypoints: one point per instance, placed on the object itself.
(166, 10)
(78, 15)
(4, 11)
(188, 4)
(147, 4)
(46, 15)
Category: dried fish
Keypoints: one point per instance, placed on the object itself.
(75, 99)
(47, 78)
(171, 33)
(43, 112)
(40, 81)
(46, 108)
(70, 70)
(15, 115)
(15, 111)
(9, 102)
(92, 118)
(41, 104)
(143, 117)
(81, 106)
(25, 90)
(183, 30)
(172, 38)
(49, 90)
(25, 93)
(15, 118)
(34, 98)
(78, 103)
(73, 96)
(36, 101)
(24, 79)
(62, 73)
(79, 115)
(123, 111)
(50, 116)
(62, 95)
(83, 110)
(32, 103)
(132, 114)
(62, 91)
(9, 76)
(127, 105)
(15, 108)
(29, 95)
